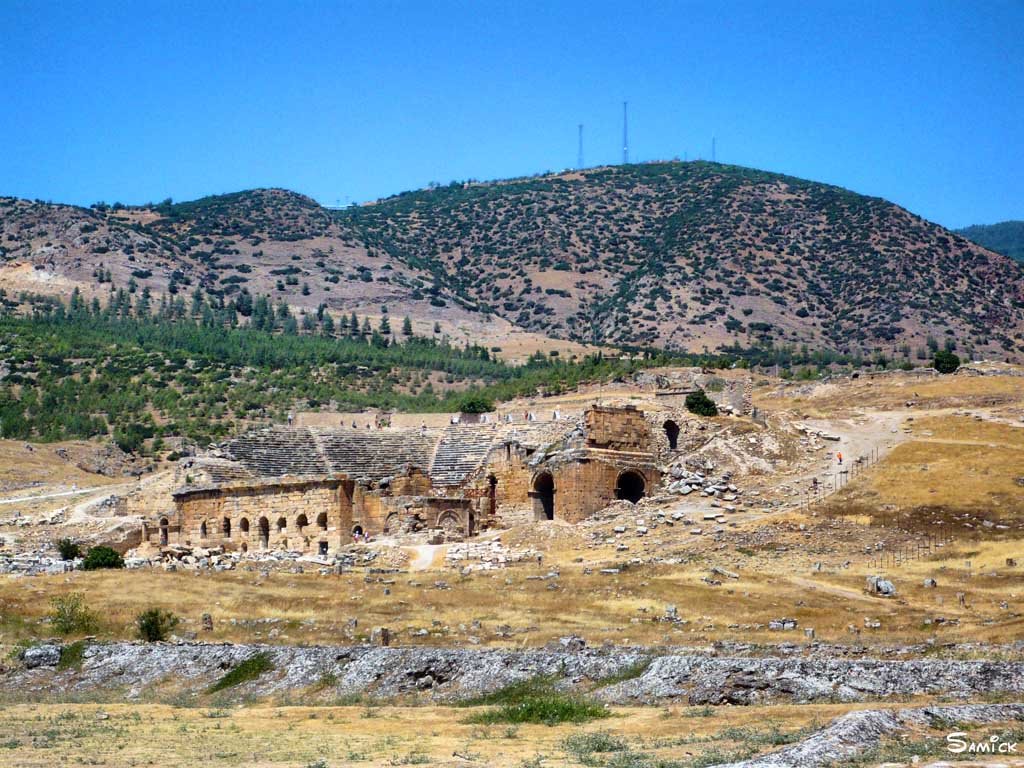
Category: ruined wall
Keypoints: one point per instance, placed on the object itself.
(581, 488)
(308, 516)
(508, 465)
(618, 429)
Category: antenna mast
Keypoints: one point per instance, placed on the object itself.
(579, 156)
(625, 133)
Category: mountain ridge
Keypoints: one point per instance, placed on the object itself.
(686, 256)
(1005, 237)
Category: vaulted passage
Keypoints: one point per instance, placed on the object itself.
(544, 496)
(630, 486)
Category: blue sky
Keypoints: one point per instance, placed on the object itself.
(921, 103)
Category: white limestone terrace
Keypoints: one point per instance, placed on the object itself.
(449, 455)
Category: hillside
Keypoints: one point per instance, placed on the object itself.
(1006, 237)
(682, 256)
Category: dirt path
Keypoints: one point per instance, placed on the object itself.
(423, 556)
(41, 497)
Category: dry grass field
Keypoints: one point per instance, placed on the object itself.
(119, 736)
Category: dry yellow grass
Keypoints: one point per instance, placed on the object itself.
(952, 465)
(44, 735)
(893, 392)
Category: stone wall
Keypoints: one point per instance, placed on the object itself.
(619, 429)
(301, 515)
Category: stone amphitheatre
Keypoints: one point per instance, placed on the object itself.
(722, 589)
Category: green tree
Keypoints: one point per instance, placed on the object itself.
(946, 361)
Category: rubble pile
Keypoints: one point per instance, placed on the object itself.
(486, 555)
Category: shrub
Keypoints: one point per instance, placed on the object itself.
(155, 624)
(69, 615)
(71, 656)
(946, 361)
(702, 405)
(102, 557)
(68, 549)
(247, 670)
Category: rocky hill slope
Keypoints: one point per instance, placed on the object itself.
(675, 255)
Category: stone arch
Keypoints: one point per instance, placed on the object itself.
(243, 525)
(301, 522)
(544, 496)
(164, 531)
(244, 547)
(357, 530)
(630, 486)
(671, 432)
(321, 521)
(264, 525)
(391, 523)
(282, 524)
(450, 521)
(225, 527)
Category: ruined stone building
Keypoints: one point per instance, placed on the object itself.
(312, 489)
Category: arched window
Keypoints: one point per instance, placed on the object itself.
(202, 529)
(264, 532)
(282, 524)
(243, 525)
(301, 522)
(321, 521)
(225, 527)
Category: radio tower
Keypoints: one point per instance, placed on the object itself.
(625, 133)
(579, 156)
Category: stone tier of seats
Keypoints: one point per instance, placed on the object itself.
(278, 451)
(461, 450)
(376, 454)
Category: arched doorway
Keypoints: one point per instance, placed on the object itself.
(164, 527)
(672, 433)
(301, 522)
(264, 533)
(357, 531)
(544, 496)
(321, 521)
(630, 486)
(243, 525)
(282, 524)
(225, 527)
(202, 530)
(492, 495)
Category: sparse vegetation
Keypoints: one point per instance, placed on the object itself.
(244, 671)
(69, 615)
